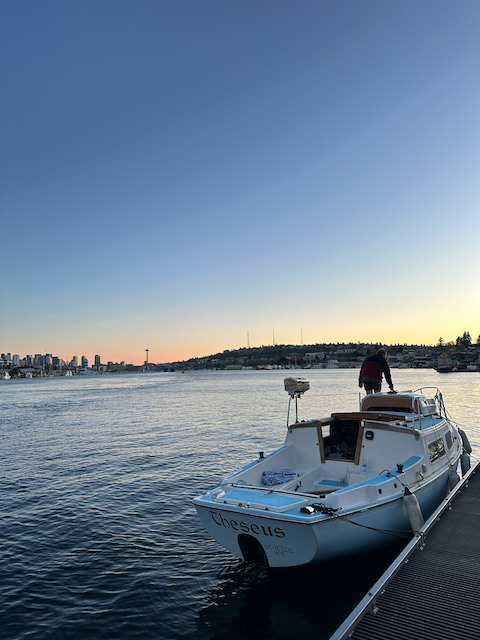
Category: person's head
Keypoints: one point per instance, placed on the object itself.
(381, 352)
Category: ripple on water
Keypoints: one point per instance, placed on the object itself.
(98, 536)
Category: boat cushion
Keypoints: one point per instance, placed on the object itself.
(259, 500)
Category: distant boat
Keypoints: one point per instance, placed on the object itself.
(445, 364)
(444, 368)
(457, 368)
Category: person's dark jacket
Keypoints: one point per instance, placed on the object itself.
(373, 367)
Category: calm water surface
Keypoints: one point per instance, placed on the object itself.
(98, 536)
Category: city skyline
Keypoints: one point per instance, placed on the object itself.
(96, 360)
(182, 175)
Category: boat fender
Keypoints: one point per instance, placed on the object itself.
(453, 479)
(464, 463)
(466, 444)
(413, 509)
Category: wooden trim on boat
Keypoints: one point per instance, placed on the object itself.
(358, 447)
(368, 415)
(303, 425)
(400, 402)
(311, 423)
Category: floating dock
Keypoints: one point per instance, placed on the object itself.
(430, 592)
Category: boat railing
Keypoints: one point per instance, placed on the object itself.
(438, 397)
(411, 401)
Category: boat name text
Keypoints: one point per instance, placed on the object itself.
(278, 551)
(243, 526)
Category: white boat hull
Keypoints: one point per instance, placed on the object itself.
(288, 544)
(339, 486)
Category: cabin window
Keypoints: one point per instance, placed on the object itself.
(448, 439)
(436, 449)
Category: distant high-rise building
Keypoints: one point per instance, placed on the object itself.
(97, 361)
(29, 360)
(84, 362)
(38, 360)
(15, 360)
(74, 361)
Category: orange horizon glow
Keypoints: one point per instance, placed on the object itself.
(158, 354)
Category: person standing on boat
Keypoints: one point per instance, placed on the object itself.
(371, 373)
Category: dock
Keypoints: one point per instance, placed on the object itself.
(430, 591)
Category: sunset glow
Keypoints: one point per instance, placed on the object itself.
(177, 174)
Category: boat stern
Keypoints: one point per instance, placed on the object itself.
(246, 531)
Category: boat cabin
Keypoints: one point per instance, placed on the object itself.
(342, 434)
(340, 437)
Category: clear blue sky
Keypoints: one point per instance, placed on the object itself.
(175, 173)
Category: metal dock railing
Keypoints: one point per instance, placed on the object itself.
(431, 591)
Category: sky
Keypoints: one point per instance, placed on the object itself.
(190, 176)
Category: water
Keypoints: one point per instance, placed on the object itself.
(98, 536)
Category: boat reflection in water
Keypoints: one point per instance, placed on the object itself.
(252, 601)
(340, 485)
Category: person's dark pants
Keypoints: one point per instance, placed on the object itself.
(373, 387)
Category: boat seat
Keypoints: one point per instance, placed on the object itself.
(260, 500)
